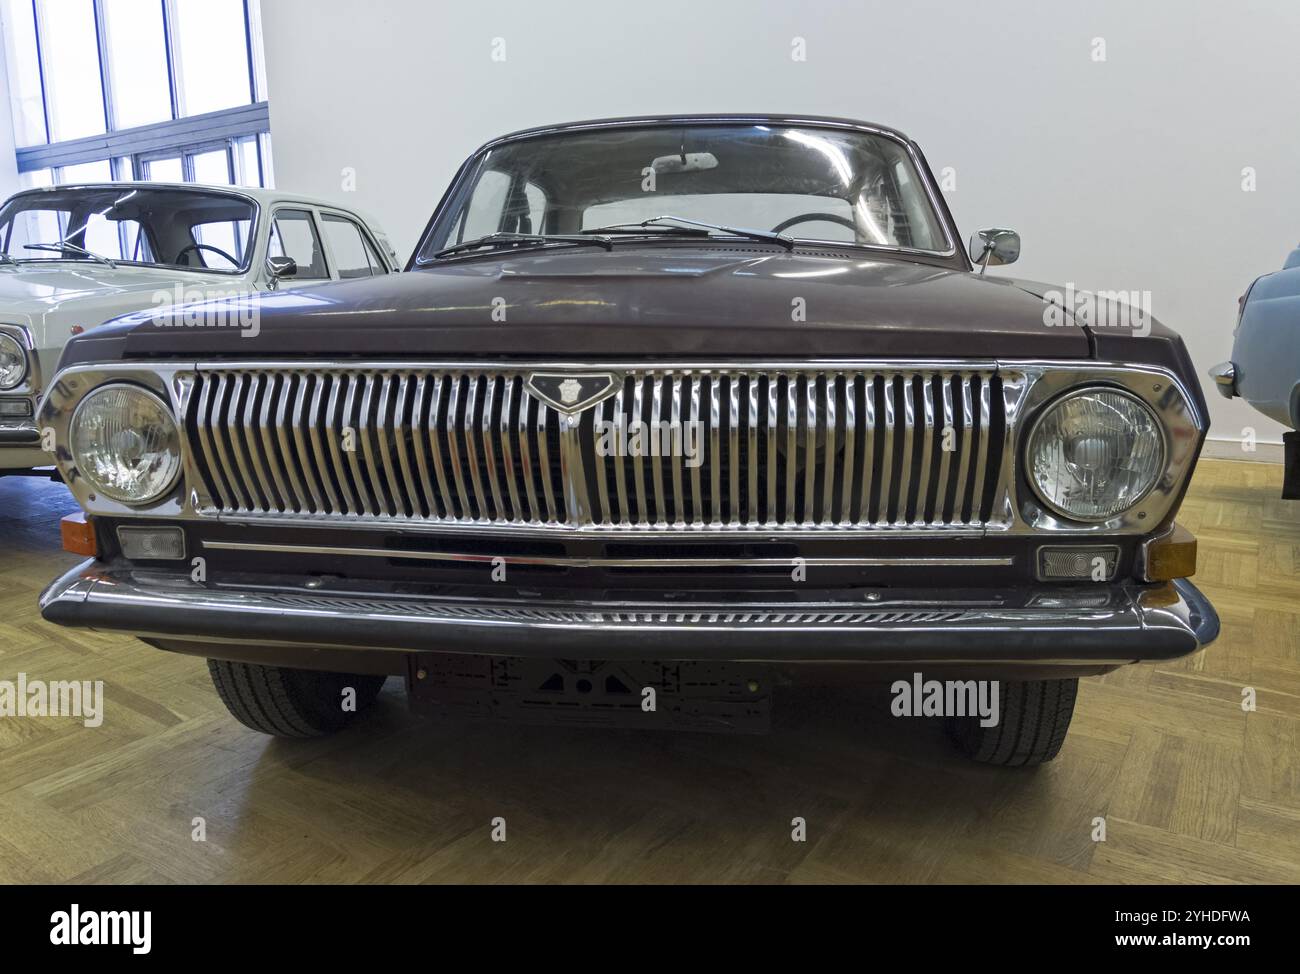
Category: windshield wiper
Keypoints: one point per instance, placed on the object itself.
(503, 238)
(6, 259)
(696, 228)
(63, 245)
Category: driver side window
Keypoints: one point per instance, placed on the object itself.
(293, 234)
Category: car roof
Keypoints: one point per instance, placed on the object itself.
(641, 121)
(261, 196)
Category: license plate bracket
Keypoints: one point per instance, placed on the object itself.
(713, 697)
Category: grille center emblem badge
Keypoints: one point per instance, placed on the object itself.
(570, 389)
(571, 392)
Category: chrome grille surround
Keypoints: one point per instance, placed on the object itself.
(548, 442)
(779, 449)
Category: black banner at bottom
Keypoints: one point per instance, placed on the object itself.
(334, 923)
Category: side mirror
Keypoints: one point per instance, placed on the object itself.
(278, 267)
(993, 247)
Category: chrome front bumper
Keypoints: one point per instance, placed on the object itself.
(1066, 626)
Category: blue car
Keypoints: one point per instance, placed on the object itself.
(1265, 365)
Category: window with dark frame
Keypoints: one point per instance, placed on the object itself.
(166, 90)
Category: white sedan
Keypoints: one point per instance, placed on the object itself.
(73, 257)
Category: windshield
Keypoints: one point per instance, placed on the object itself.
(124, 224)
(820, 184)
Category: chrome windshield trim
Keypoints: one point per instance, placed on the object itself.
(469, 171)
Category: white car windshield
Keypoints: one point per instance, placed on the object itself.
(834, 185)
(182, 228)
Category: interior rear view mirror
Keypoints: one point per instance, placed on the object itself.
(685, 162)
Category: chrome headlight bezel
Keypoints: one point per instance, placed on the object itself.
(1046, 411)
(1167, 391)
(25, 354)
(165, 410)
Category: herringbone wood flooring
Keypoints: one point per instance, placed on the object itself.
(1192, 788)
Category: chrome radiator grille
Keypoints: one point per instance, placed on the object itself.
(789, 449)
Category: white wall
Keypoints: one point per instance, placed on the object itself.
(1123, 174)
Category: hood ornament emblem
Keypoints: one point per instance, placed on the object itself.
(571, 392)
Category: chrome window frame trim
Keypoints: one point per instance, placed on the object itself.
(1027, 387)
(468, 176)
(254, 226)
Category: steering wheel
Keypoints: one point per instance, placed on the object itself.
(202, 246)
(810, 217)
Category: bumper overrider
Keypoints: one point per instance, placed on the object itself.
(1081, 627)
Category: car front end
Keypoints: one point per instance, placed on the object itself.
(641, 463)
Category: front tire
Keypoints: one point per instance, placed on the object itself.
(290, 703)
(1034, 718)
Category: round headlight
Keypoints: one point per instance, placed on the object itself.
(1095, 453)
(13, 362)
(125, 443)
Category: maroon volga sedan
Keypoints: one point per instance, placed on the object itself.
(668, 413)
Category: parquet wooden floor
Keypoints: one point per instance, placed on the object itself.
(1192, 788)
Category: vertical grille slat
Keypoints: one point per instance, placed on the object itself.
(885, 507)
(849, 463)
(408, 502)
(715, 448)
(733, 446)
(809, 454)
(454, 448)
(204, 405)
(772, 415)
(796, 448)
(981, 450)
(652, 446)
(620, 470)
(638, 459)
(928, 443)
(869, 475)
(328, 479)
(964, 450)
(334, 437)
(947, 437)
(791, 444)
(701, 444)
(526, 454)
(829, 420)
(909, 438)
(601, 464)
(348, 435)
(233, 432)
(679, 443)
(504, 431)
(544, 462)
(469, 428)
(751, 453)
(420, 449)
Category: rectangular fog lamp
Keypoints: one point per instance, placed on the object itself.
(1082, 563)
(152, 544)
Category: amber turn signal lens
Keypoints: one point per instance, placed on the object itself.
(1170, 556)
(78, 535)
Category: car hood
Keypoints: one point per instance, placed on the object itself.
(39, 287)
(651, 301)
(53, 298)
